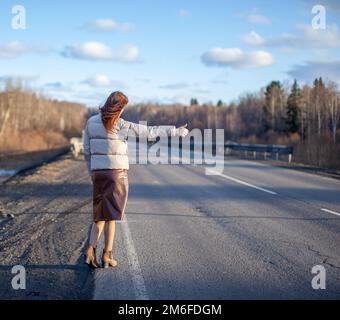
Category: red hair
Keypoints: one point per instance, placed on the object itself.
(112, 108)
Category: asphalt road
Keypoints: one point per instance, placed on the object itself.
(253, 232)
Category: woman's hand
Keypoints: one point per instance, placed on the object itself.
(182, 131)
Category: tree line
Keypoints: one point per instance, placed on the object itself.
(307, 111)
(307, 117)
(29, 122)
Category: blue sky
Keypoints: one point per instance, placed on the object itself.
(168, 50)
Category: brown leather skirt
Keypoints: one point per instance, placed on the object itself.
(110, 192)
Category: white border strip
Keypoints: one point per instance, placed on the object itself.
(136, 272)
(330, 211)
(242, 182)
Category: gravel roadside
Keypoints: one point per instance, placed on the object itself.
(44, 225)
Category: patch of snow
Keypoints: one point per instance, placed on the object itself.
(7, 172)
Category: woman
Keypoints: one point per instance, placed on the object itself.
(105, 150)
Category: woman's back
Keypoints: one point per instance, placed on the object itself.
(105, 149)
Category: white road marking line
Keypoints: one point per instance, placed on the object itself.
(136, 272)
(104, 280)
(330, 211)
(242, 182)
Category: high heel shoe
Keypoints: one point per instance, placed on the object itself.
(91, 260)
(107, 260)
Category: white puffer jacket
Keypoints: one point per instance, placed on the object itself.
(108, 150)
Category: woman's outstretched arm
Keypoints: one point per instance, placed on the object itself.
(151, 132)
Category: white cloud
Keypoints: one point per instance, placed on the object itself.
(109, 25)
(184, 13)
(99, 80)
(89, 51)
(127, 54)
(329, 38)
(306, 37)
(259, 19)
(314, 69)
(90, 91)
(15, 49)
(253, 39)
(77, 91)
(100, 51)
(237, 59)
(103, 81)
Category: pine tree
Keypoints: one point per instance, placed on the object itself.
(220, 103)
(193, 102)
(293, 109)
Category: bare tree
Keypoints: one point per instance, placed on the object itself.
(333, 106)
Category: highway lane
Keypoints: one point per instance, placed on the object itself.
(207, 237)
(187, 235)
(317, 190)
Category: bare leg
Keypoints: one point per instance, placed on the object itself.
(108, 261)
(110, 228)
(96, 231)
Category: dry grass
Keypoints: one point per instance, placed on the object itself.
(31, 141)
(30, 122)
(317, 151)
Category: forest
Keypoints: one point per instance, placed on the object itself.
(307, 117)
(30, 122)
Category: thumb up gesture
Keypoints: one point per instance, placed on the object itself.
(182, 131)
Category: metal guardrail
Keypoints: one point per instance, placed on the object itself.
(262, 148)
(270, 148)
(76, 146)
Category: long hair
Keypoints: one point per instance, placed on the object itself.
(112, 108)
